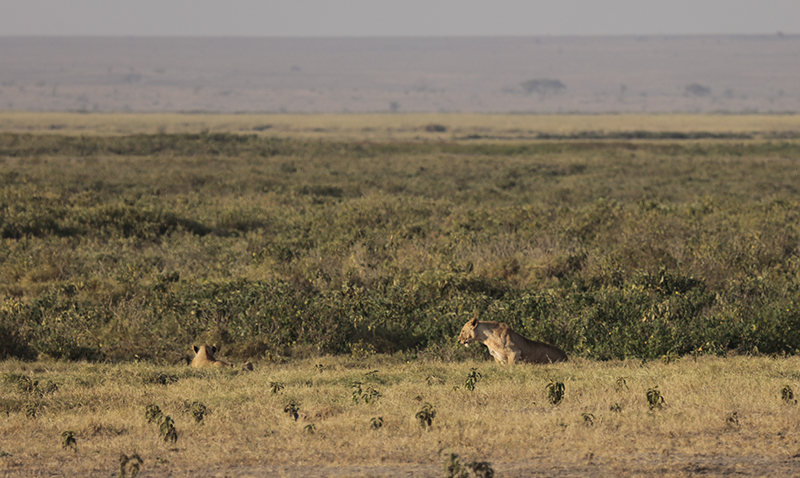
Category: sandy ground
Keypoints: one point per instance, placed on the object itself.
(662, 465)
(623, 466)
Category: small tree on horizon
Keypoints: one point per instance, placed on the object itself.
(543, 86)
(696, 89)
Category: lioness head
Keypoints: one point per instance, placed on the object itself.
(204, 357)
(206, 351)
(467, 335)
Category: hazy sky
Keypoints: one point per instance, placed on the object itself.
(303, 18)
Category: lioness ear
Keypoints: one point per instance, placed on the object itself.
(195, 348)
(474, 322)
(214, 349)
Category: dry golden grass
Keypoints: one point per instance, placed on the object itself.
(391, 127)
(719, 414)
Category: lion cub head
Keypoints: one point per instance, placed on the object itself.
(468, 335)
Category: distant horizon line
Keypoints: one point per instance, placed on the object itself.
(778, 34)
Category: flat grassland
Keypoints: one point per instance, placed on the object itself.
(400, 127)
(342, 255)
(358, 417)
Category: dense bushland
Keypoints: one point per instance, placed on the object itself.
(137, 246)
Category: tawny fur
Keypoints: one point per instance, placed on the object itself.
(507, 346)
(204, 357)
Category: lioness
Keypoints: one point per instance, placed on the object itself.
(204, 357)
(507, 346)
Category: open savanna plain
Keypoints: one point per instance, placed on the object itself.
(341, 255)
(719, 416)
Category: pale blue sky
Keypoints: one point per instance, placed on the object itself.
(359, 18)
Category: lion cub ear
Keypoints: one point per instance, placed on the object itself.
(474, 322)
(214, 349)
(195, 348)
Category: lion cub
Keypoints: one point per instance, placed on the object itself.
(507, 346)
(204, 357)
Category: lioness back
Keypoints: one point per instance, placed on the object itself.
(540, 352)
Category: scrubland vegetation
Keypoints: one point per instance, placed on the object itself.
(117, 247)
(345, 269)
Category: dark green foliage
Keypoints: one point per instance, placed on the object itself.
(787, 395)
(68, 440)
(29, 386)
(654, 398)
(167, 430)
(453, 468)
(32, 410)
(13, 344)
(198, 411)
(426, 415)
(214, 144)
(153, 413)
(472, 378)
(131, 247)
(129, 465)
(166, 425)
(376, 423)
(481, 469)
(555, 392)
(159, 378)
(732, 420)
(367, 396)
(276, 387)
(292, 409)
(588, 419)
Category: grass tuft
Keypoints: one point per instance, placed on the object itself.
(68, 440)
(787, 395)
